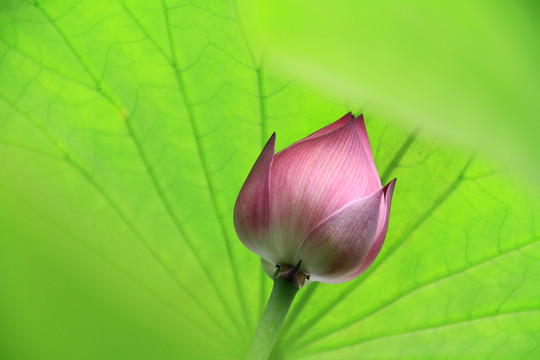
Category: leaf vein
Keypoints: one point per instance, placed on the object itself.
(413, 289)
(204, 166)
(142, 155)
(431, 327)
(117, 210)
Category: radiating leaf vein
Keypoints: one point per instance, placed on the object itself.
(413, 289)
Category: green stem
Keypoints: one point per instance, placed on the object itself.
(277, 308)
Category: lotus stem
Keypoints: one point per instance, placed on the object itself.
(287, 281)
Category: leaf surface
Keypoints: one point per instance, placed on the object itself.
(126, 132)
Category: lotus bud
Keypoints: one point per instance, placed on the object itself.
(318, 203)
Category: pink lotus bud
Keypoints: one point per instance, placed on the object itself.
(319, 201)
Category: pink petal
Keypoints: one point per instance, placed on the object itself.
(313, 178)
(381, 229)
(333, 126)
(339, 244)
(362, 133)
(251, 211)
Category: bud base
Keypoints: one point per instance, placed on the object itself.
(292, 274)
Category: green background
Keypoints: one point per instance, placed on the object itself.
(128, 127)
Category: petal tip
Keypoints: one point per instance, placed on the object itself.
(271, 141)
(361, 126)
(348, 117)
(388, 189)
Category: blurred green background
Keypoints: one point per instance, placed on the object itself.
(468, 70)
(128, 127)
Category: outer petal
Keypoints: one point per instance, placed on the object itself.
(362, 133)
(313, 178)
(251, 211)
(340, 243)
(332, 127)
(381, 230)
(344, 120)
